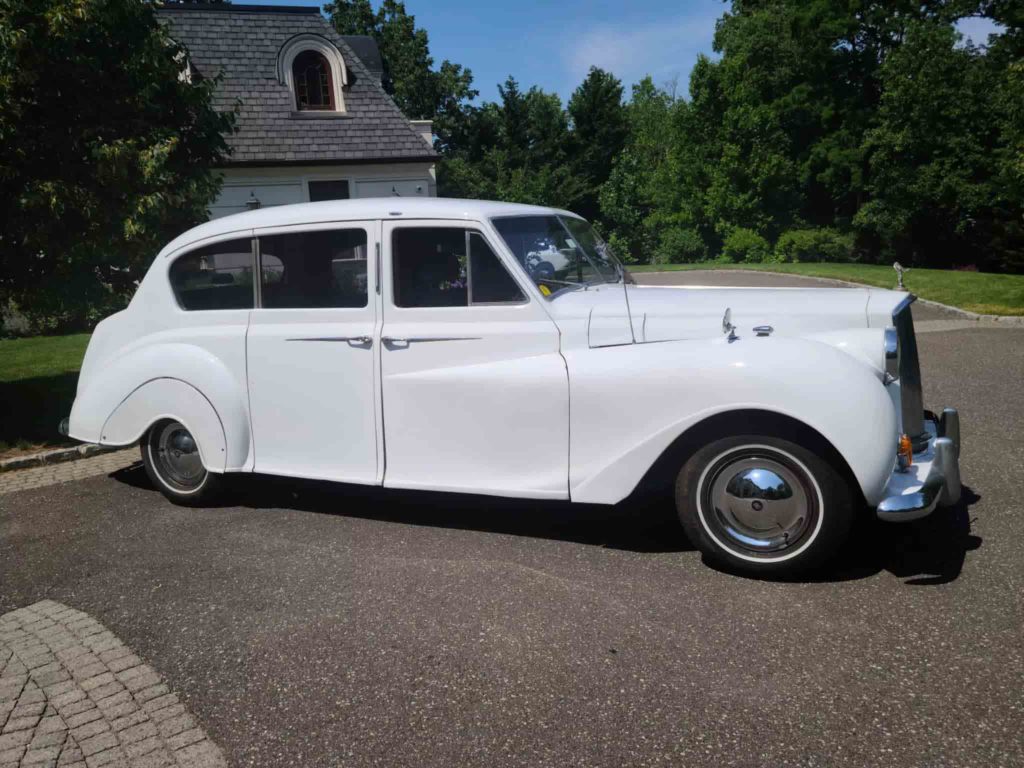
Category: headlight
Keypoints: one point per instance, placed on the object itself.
(892, 354)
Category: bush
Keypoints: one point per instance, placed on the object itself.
(680, 246)
(745, 245)
(824, 244)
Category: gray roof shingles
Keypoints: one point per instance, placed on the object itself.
(242, 45)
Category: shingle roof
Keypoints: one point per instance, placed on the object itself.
(242, 44)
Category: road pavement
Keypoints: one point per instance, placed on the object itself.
(310, 624)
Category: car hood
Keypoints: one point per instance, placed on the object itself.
(664, 313)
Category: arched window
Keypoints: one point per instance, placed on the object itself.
(314, 88)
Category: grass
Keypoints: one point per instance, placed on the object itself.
(982, 292)
(38, 377)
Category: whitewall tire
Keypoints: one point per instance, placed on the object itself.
(175, 466)
(763, 504)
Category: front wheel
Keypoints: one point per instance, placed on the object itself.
(763, 504)
(174, 465)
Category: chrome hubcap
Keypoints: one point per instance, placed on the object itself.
(760, 503)
(177, 457)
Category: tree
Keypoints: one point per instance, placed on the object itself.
(419, 90)
(106, 152)
(516, 150)
(599, 133)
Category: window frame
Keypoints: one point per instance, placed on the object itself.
(370, 227)
(335, 61)
(185, 252)
(469, 228)
(330, 106)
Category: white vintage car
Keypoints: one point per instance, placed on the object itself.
(492, 348)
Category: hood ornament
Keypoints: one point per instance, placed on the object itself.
(728, 327)
(900, 271)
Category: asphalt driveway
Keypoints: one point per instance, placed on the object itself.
(308, 624)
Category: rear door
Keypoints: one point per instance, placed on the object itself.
(311, 353)
(475, 391)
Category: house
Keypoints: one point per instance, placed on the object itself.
(313, 121)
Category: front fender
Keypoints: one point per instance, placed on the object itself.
(127, 382)
(630, 403)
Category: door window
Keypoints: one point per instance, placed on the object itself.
(304, 270)
(218, 276)
(448, 267)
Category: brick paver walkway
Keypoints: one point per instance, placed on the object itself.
(73, 695)
(37, 477)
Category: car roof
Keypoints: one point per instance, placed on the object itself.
(367, 208)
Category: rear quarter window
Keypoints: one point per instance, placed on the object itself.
(216, 276)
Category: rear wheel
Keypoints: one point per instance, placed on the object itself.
(174, 465)
(763, 504)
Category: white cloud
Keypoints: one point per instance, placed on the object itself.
(665, 50)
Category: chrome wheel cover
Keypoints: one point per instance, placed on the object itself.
(176, 457)
(759, 502)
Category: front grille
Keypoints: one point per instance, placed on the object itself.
(911, 392)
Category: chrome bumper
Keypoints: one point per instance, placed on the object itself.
(933, 479)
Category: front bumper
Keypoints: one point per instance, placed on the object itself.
(933, 480)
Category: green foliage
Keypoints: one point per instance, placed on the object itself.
(599, 131)
(679, 246)
(105, 154)
(865, 118)
(419, 90)
(814, 245)
(746, 245)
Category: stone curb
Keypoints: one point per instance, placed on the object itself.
(56, 456)
(1002, 319)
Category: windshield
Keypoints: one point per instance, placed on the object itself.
(559, 252)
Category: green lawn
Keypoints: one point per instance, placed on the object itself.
(37, 387)
(981, 292)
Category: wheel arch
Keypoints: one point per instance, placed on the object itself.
(163, 399)
(756, 421)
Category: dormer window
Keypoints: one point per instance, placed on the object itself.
(314, 71)
(314, 88)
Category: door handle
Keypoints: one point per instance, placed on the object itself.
(394, 340)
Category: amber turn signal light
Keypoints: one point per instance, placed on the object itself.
(905, 451)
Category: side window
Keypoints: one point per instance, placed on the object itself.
(214, 277)
(447, 267)
(489, 281)
(303, 270)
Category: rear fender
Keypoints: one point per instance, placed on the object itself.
(116, 404)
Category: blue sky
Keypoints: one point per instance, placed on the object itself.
(553, 44)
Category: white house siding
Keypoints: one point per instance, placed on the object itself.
(283, 185)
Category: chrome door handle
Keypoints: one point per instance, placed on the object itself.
(360, 339)
(394, 340)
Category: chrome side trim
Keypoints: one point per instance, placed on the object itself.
(411, 339)
(352, 339)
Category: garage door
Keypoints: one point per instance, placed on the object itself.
(233, 197)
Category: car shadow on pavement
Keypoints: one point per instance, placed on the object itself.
(925, 552)
(637, 526)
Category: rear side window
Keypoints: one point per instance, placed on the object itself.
(215, 277)
(448, 267)
(305, 270)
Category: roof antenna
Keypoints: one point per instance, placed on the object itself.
(394, 191)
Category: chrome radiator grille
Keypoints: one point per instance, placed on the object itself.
(911, 392)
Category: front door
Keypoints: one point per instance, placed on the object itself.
(475, 391)
(311, 353)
